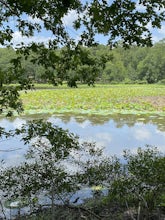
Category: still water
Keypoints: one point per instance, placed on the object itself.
(114, 132)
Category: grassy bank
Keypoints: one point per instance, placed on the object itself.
(101, 99)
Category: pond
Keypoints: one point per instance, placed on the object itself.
(114, 132)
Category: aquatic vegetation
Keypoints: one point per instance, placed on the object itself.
(105, 99)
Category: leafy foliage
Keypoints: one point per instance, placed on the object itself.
(142, 181)
(86, 65)
(57, 165)
(117, 19)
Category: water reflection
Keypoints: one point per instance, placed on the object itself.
(114, 132)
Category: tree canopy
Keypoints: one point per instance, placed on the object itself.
(127, 20)
(88, 65)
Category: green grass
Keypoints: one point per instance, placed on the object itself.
(101, 99)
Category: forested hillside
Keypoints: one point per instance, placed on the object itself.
(87, 65)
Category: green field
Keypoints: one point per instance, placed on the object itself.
(101, 99)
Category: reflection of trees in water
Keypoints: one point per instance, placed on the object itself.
(119, 119)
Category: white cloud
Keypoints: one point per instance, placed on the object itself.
(157, 34)
(34, 20)
(69, 18)
(104, 137)
(18, 38)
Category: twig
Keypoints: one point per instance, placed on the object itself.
(10, 150)
(8, 6)
(75, 207)
(84, 209)
(139, 211)
(3, 210)
(129, 210)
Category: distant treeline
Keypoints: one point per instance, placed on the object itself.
(88, 65)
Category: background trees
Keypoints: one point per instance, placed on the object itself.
(90, 65)
(126, 19)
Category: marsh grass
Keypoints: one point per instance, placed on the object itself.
(101, 99)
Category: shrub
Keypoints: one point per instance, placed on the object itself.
(141, 182)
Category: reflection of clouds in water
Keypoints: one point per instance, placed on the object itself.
(13, 160)
(134, 149)
(5, 124)
(161, 148)
(8, 125)
(107, 134)
(84, 124)
(104, 136)
(139, 124)
(160, 133)
(18, 123)
(56, 121)
(105, 140)
(142, 134)
(72, 122)
(99, 144)
(101, 137)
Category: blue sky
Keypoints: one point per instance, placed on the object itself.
(68, 19)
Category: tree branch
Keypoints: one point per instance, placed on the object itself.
(14, 12)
